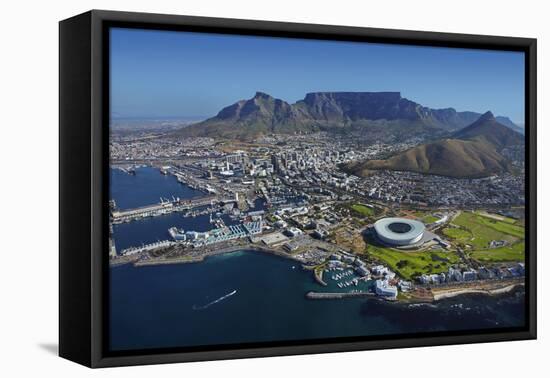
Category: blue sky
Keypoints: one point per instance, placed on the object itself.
(181, 74)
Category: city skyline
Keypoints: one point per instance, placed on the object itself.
(182, 74)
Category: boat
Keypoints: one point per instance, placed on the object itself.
(215, 301)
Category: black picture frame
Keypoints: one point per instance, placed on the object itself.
(83, 181)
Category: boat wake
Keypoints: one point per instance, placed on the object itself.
(203, 307)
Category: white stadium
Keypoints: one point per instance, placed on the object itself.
(399, 231)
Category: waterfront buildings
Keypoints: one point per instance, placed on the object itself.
(217, 235)
(384, 289)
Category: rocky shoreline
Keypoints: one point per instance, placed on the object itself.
(487, 291)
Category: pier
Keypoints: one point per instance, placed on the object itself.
(318, 295)
(147, 247)
(162, 208)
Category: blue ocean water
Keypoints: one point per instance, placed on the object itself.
(189, 304)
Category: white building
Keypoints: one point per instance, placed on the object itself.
(293, 232)
(384, 289)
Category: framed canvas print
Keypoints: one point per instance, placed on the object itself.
(233, 188)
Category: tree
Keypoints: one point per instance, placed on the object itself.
(402, 263)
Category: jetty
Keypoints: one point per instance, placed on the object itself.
(320, 295)
(163, 208)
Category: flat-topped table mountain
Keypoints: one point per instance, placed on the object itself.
(328, 111)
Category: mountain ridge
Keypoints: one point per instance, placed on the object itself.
(489, 129)
(329, 111)
(472, 152)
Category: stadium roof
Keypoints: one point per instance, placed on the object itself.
(399, 230)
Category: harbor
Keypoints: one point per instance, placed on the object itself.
(164, 207)
(137, 223)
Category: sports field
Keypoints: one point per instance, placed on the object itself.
(429, 219)
(363, 210)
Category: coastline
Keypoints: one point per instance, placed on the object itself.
(443, 294)
(221, 251)
(491, 288)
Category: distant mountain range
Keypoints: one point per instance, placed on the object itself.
(473, 151)
(511, 125)
(334, 112)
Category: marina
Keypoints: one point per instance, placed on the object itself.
(142, 224)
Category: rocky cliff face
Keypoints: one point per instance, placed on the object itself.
(356, 106)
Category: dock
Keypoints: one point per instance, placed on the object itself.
(163, 208)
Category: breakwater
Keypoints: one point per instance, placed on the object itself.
(184, 259)
(319, 295)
